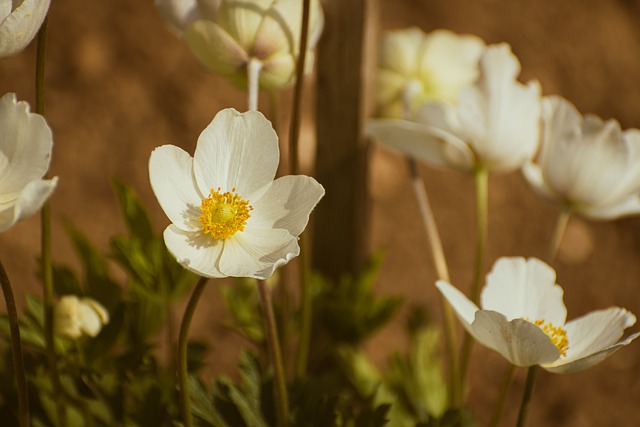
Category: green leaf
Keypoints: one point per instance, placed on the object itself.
(243, 302)
(133, 212)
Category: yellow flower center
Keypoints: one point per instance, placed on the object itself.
(224, 214)
(557, 334)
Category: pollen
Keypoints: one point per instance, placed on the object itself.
(557, 334)
(224, 214)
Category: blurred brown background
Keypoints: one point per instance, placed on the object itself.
(119, 84)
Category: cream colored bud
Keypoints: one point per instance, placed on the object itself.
(74, 317)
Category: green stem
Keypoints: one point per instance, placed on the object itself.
(16, 349)
(437, 252)
(45, 224)
(253, 76)
(273, 345)
(482, 193)
(506, 385)
(558, 234)
(526, 397)
(183, 341)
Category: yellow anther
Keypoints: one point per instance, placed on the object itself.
(557, 334)
(224, 214)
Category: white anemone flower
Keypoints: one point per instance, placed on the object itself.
(20, 21)
(586, 165)
(416, 67)
(229, 217)
(74, 317)
(225, 35)
(523, 318)
(25, 153)
(494, 126)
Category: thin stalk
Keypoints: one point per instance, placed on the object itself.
(45, 244)
(437, 252)
(16, 349)
(526, 397)
(482, 193)
(558, 234)
(271, 329)
(306, 303)
(253, 77)
(504, 391)
(183, 340)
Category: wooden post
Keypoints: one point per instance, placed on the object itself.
(343, 94)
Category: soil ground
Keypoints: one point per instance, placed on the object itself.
(119, 84)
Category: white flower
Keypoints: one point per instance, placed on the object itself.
(523, 318)
(25, 152)
(495, 124)
(415, 67)
(20, 21)
(230, 218)
(225, 34)
(586, 165)
(74, 317)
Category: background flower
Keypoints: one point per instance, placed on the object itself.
(493, 126)
(74, 317)
(586, 165)
(225, 34)
(416, 67)
(25, 152)
(229, 217)
(523, 318)
(19, 23)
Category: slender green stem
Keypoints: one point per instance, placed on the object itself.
(482, 193)
(273, 345)
(526, 397)
(558, 234)
(437, 252)
(253, 76)
(183, 341)
(306, 303)
(504, 391)
(16, 349)
(45, 224)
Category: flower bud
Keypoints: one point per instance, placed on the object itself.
(19, 23)
(74, 317)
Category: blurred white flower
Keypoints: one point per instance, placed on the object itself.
(586, 165)
(229, 217)
(523, 318)
(25, 152)
(226, 34)
(74, 317)
(494, 126)
(416, 67)
(20, 21)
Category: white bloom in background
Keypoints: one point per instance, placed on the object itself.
(229, 217)
(523, 318)
(25, 152)
(495, 124)
(586, 165)
(416, 67)
(74, 317)
(20, 21)
(226, 34)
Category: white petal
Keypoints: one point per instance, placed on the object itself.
(257, 252)
(216, 49)
(195, 251)
(592, 338)
(90, 323)
(419, 141)
(172, 180)
(21, 26)
(401, 49)
(526, 289)
(522, 343)
(278, 71)
(29, 201)
(630, 206)
(25, 143)
(242, 19)
(464, 308)
(178, 13)
(533, 174)
(237, 150)
(287, 204)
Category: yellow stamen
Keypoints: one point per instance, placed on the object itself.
(224, 214)
(557, 334)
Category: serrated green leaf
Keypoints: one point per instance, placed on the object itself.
(133, 212)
